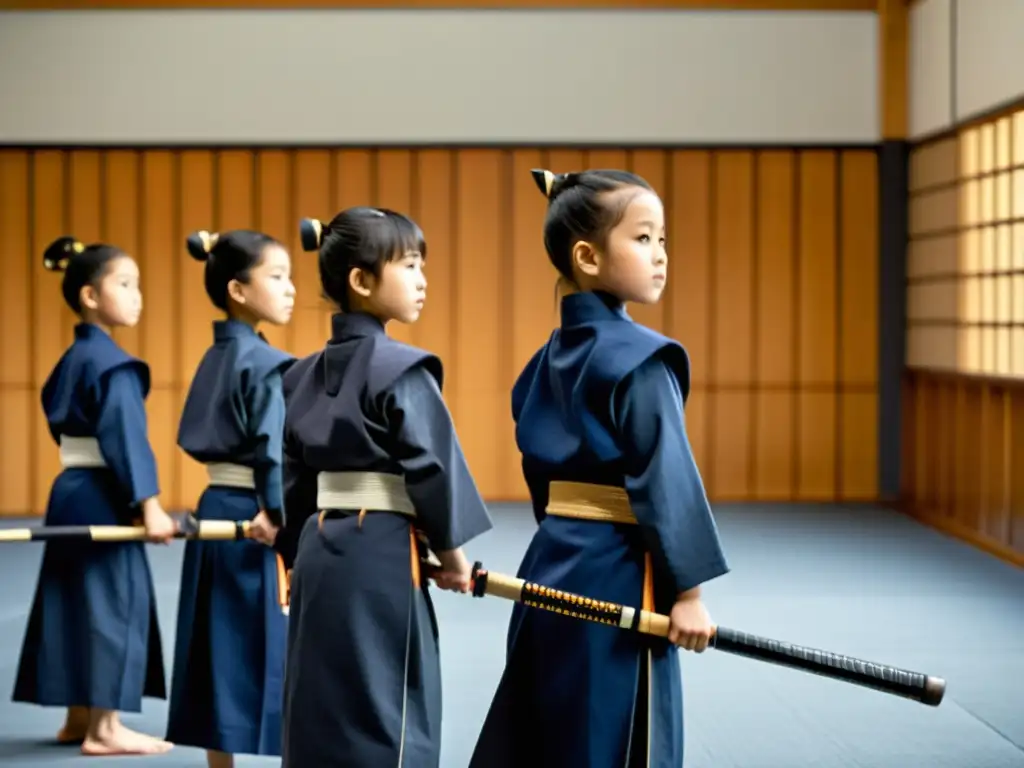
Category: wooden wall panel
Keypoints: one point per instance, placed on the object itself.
(963, 448)
(17, 401)
(774, 347)
(858, 330)
(772, 288)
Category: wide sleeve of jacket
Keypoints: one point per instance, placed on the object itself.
(662, 479)
(299, 489)
(122, 432)
(266, 408)
(448, 505)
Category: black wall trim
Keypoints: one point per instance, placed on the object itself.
(893, 236)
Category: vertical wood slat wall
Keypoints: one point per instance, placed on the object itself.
(772, 288)
(963, 436)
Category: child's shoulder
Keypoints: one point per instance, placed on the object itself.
(391, 359)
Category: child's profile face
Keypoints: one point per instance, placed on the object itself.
(634, 266)
(401, 290)
(269, 293)
(117, 299)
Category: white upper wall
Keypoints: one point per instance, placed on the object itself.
(421, 77)
(989, 55)
(966, 58)
(930, 57)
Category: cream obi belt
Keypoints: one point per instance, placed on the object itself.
(586, 501)
(363, 491)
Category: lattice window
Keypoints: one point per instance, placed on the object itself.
(966, 260)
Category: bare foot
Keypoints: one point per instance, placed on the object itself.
(119, 740)
(76, 726)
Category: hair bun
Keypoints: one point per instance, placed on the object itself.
(545, 181)
(311, 233)
(200, 244)
(59, 252)
(553, 184)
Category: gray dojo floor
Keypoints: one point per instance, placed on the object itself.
(859, 581)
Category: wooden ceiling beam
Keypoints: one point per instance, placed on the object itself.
(733, 5)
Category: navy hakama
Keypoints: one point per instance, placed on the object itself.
(600, 410)
(369, 443)
(229, 653)
(92, 638)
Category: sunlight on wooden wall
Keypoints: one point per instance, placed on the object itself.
(772, 288)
